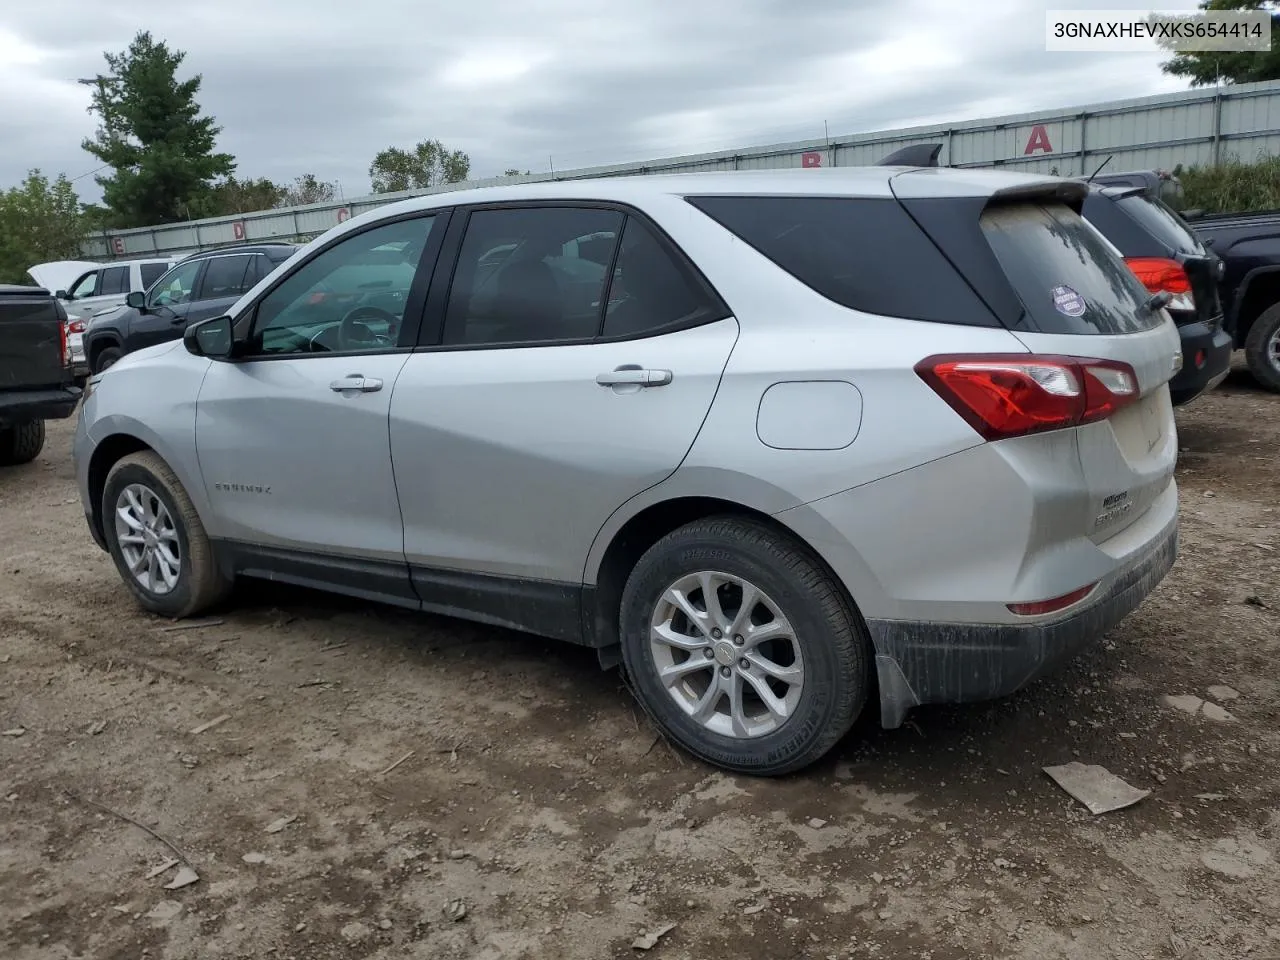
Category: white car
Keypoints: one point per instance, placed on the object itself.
(95, 288)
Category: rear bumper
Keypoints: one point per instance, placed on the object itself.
(23, 405)
(919, 663)
(1193, 380)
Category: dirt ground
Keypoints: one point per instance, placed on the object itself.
(427, 767)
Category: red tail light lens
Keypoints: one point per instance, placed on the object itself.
(75, 326)
(1041, 607)
(1010, 395)
(1159, 275)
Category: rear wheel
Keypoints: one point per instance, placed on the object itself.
(742, 647)
(1262, 348)
(157, 540)
(21, 442)
(106, 358)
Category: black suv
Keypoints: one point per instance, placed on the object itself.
(1169, 258)
(203, 285)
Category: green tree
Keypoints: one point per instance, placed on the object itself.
(1207, 68)
(244, 196)
(39, 222)
(308, 189)
(153, 136)
(426, 165)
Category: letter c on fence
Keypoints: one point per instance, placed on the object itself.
(237, 229)
(811, 158)
(344, 214)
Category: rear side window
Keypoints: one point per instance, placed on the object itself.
(1068, 279)
(114, 280)
(224, 277)
(865, 254)
(1154, 217)
(151, 271)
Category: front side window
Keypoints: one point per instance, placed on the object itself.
(176, 286)
(86, 286)
(351, 297)
(224, 278)
(530, 275)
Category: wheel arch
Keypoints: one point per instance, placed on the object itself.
(632, 532)
(100, 342)
(122, 436)
(1258, 291)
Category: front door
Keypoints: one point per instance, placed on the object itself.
(560, 392)
(292, 436)
(167, 305)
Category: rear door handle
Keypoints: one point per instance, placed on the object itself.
(631, 375)
(356, 382)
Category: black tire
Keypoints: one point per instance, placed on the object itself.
(106, 358)
(21, 442)
(1262, 364)
(200, 584)
(829, 632)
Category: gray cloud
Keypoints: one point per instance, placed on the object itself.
(321, 85)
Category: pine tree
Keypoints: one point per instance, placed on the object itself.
(151, 133)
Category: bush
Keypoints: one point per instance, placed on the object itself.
(1232, 187)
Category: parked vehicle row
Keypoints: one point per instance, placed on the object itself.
(752, 435)
(200, 286)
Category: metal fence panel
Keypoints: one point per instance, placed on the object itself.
(1196, 127)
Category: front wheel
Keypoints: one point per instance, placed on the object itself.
(742, 647)
(107, 358)
(1262, 348)
(157, 540)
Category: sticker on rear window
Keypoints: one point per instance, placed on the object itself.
(1067, 301)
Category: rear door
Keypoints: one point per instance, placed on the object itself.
(548, 401)
(112, 288)
(167, 305)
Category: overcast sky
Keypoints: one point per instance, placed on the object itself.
(321, 85)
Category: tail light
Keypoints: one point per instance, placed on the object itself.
(1010, 395)
(1039, 608)
(63, 346)
(1159, 275)
(76, 326)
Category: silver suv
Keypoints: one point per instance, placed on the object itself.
(777, 442)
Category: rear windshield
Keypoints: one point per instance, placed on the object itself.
(1068, 279)
(1158, 220)
(866, 254)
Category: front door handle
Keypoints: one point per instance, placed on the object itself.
(356, 382)
(632, 375)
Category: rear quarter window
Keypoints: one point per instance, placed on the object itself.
(865, 254)
(1068, 279)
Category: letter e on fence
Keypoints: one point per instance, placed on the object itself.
(1038, 142)
(117, 246)
(811, 158)
(344, 215)
(237, 229)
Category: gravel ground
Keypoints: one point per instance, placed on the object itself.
(388, 785)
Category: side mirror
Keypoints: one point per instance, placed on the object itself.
(210, 338)
(61, 295)
(136, 299)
